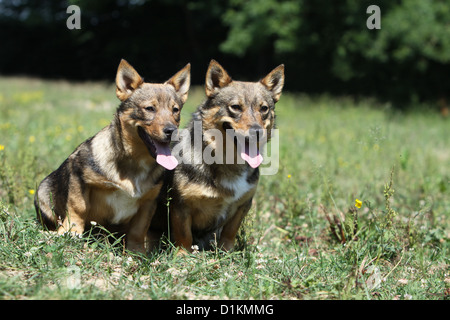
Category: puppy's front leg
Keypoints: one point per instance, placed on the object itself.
(138, 228)
(181, 224)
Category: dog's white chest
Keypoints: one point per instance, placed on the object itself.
(238, 185)
(122, 205)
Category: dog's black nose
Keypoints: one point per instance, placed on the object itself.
(256, 130)
(169, 130)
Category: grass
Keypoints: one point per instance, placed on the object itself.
(303, 239)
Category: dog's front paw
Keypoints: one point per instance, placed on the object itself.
(137, 247)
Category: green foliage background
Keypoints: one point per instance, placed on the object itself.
(325, 45)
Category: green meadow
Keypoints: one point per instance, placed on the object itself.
(359, 207)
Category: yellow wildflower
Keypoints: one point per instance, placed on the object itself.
(358, 203)
(31, 191)
(2, 147)
(289, 176)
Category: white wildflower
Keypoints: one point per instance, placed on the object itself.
(195, 248)
(155, 263)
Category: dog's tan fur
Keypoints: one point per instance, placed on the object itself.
(209, 201)
(113, 178)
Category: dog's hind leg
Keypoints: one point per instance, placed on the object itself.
(77, 211)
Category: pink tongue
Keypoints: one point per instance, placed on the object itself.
(254, 160)
(164, 156)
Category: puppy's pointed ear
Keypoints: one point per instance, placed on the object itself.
(181, 81)
(127, 80)
(274, 81)
(216, 78)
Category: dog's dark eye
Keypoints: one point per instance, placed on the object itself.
(175, 110)
(150, 108)
(264, 109)
(236, 107)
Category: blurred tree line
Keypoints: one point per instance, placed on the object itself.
(325, 44)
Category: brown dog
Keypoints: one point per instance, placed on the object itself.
(210, 197)
(114, 177)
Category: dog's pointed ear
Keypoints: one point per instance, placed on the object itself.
(127, 80)
(274, 81)
(181, 81)
(216, 78)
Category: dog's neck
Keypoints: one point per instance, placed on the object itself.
(127, 139)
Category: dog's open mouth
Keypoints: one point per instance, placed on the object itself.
(158, 150)
(247, 146)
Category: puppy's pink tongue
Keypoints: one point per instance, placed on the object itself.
(253, 157)
(164, 156)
